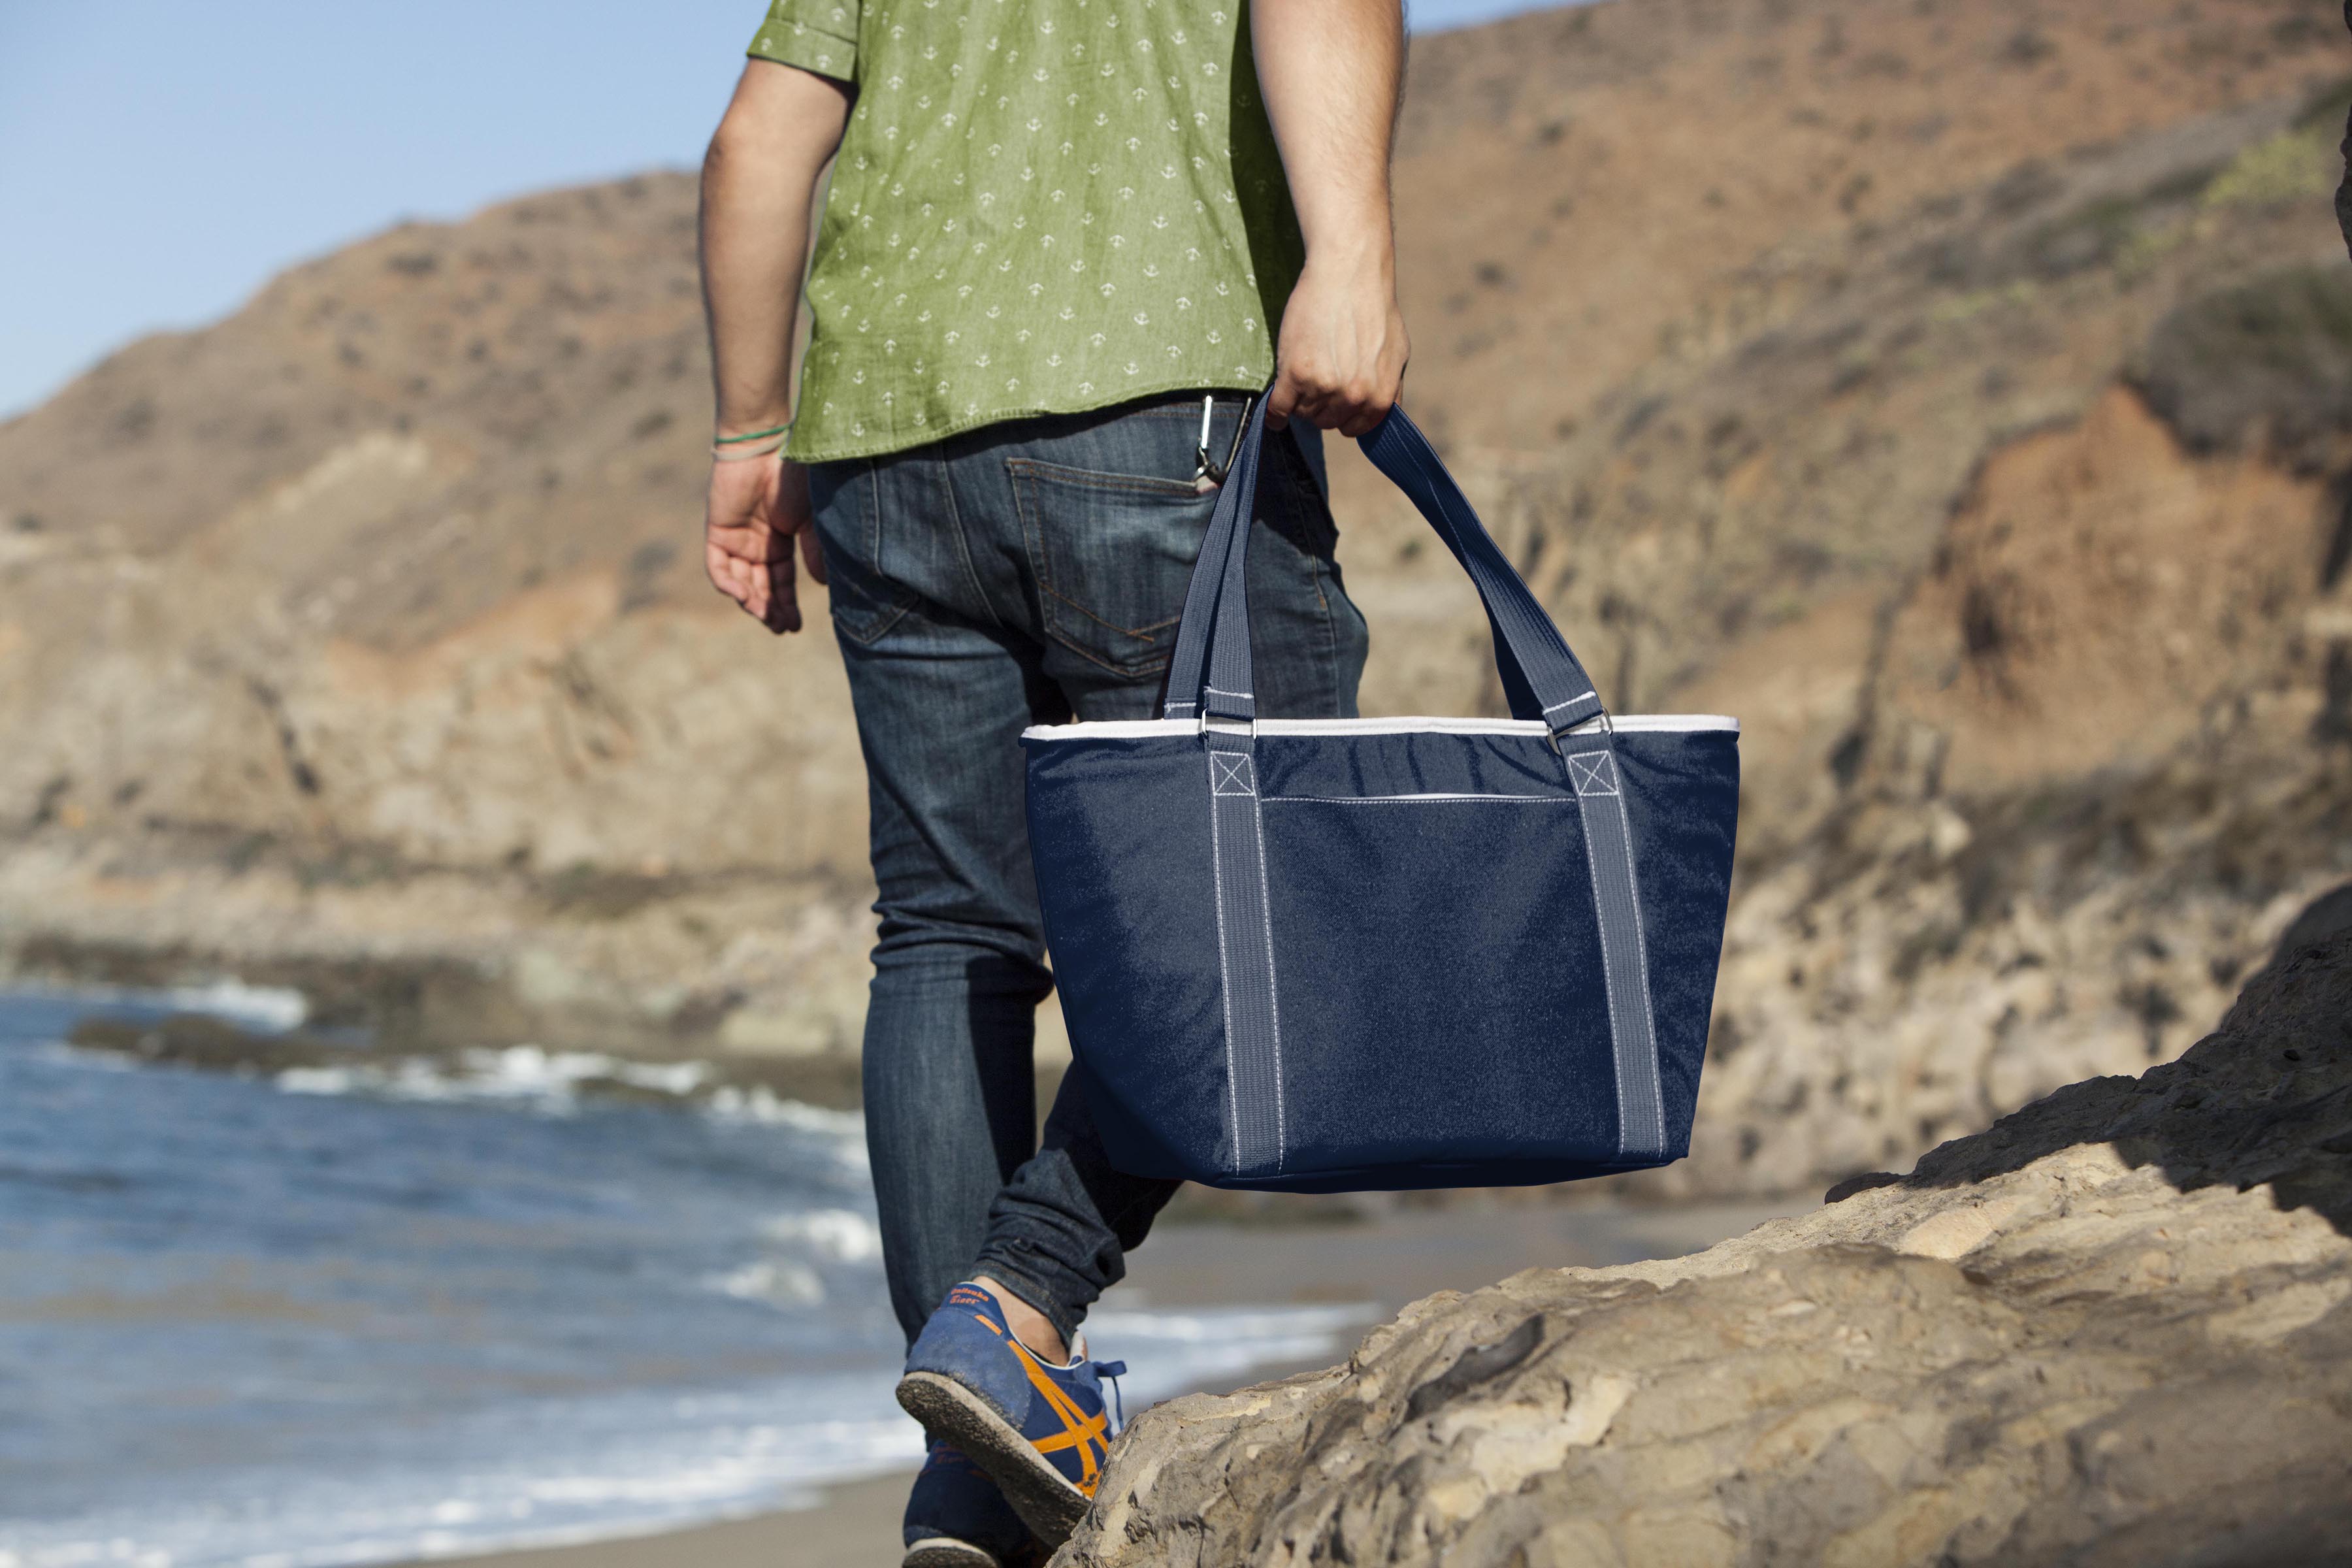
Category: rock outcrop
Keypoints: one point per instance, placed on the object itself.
(2036, 769)
(2116, 1328)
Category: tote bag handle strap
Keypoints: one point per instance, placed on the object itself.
(1208, 674)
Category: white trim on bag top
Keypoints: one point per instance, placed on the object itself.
(1137, 728)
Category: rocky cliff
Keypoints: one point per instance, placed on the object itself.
(2112, 1329)
(1957, 392)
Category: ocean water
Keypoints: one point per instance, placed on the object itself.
(383, 1313)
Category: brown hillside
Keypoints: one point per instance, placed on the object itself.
(1957, 393)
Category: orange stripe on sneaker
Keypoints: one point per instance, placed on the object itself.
(1075, 1428)
(1079, 1430)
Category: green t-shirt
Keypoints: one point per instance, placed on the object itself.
(1039, 206)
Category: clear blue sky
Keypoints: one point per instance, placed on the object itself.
(158, 163)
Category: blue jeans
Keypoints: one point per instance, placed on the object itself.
(1028, 573)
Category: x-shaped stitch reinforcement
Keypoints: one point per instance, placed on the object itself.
(1230, 776)
(1595, 772)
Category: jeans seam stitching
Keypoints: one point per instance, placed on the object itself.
(1097, 480)
(963, 543)
(1142, 633)
(886, 616)
(1315, 575)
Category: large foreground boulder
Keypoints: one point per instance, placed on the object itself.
(2112, 1329)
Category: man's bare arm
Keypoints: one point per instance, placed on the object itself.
(758, 183)
(1332, 72)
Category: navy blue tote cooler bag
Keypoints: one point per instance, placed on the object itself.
(1333, 955)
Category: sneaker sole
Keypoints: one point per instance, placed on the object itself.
(947, 1552)
(1043, 1498)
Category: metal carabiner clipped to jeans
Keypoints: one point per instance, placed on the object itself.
(1207, 474)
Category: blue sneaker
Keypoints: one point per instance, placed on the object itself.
(957, 1518)
(1041, 1432)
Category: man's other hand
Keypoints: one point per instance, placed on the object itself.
(759, 181)
(1342, 354)
(754, 509)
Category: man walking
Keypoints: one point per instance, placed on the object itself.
(1066, 240)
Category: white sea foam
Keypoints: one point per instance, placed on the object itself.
(844, 1235)
(814, 1239)
(779, 1284)
(528, 1074)
(761, 1103)
(275, 1007)
(272, 1009)
(531, 1076)
(841, 1133)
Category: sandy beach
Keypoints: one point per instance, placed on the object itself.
(1384, 1262)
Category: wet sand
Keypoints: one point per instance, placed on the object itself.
(1388, 1261)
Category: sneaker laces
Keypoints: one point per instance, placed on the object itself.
(1114, 1370)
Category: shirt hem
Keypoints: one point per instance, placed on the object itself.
(885, 446)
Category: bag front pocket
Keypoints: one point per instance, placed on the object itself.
(1113, 554)
(1436, 963)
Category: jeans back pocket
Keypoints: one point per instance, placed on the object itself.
(1113, 554)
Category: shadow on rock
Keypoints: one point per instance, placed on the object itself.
(2264, 1100)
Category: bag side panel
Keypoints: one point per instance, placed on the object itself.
(1118, 831)
(1682, 798)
